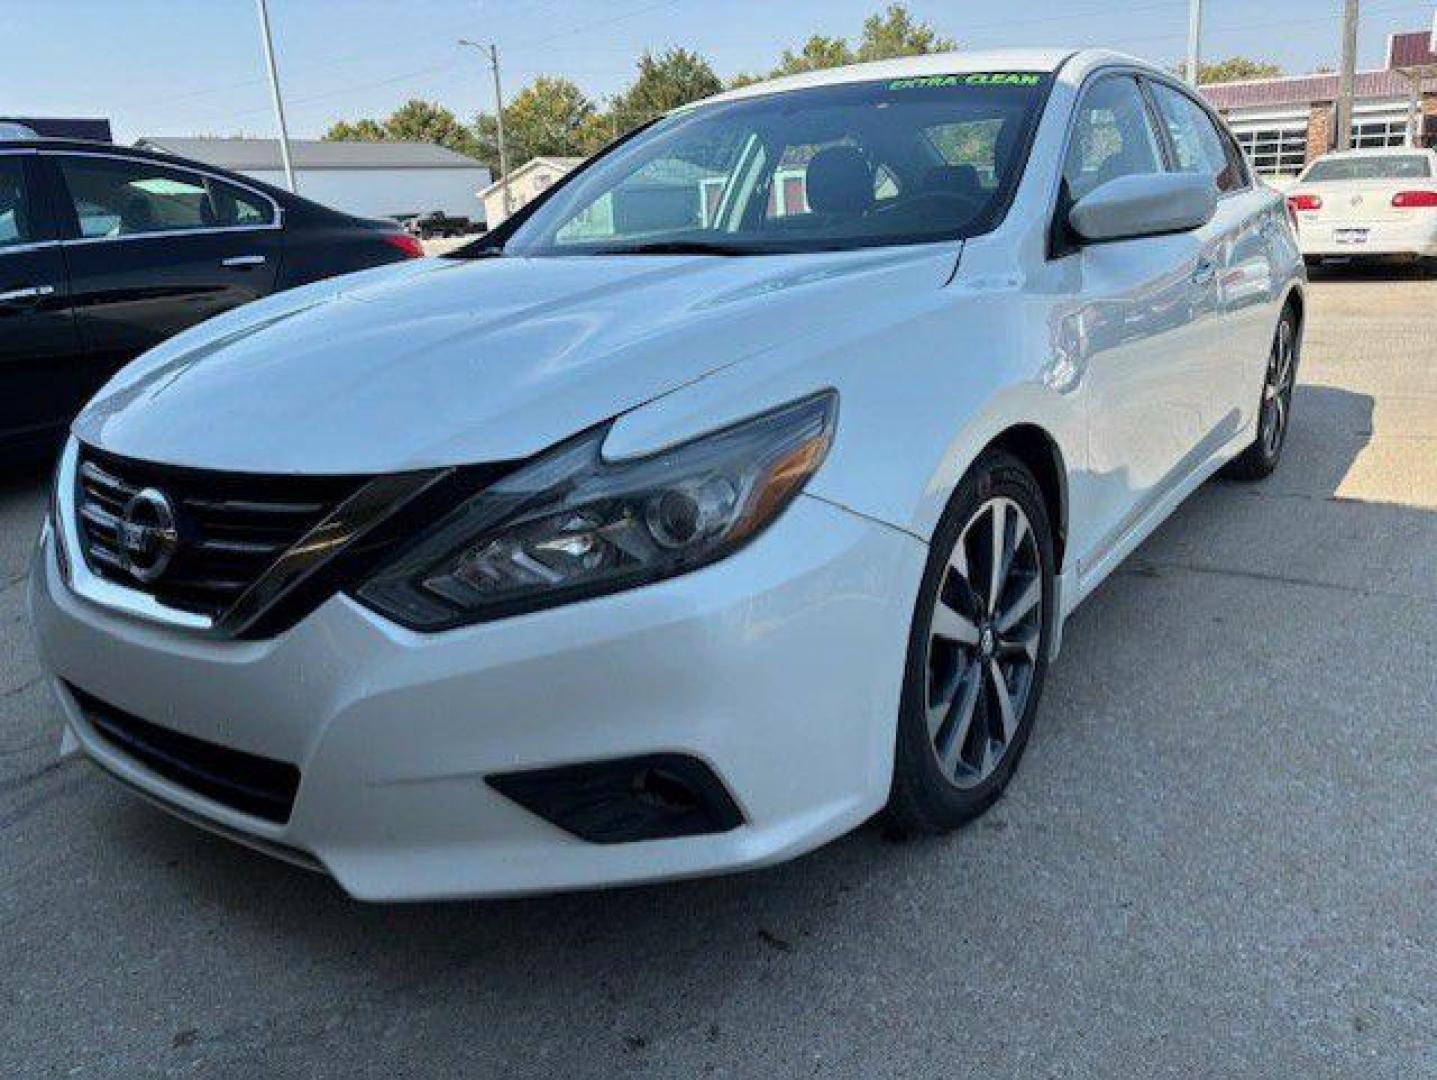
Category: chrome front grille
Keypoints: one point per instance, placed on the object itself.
(224, 531)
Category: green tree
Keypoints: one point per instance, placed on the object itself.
(818, 53)
(358, 131)
(549, 117)
(896, 33)
(664, 82)
(424, 121)
(1233, 69)
(414, 121)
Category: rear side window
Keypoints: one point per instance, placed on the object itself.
(1198, 146)
(1112, 137)
(128, 198)
(15, 224)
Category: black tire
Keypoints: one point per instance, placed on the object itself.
(926, 797)
(1260, 458)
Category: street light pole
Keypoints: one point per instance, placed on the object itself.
(492, 51)
(274, 93)
(1347, 76)
(1194, 40)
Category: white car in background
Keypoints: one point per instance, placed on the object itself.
(732, 492)
(1366, 204)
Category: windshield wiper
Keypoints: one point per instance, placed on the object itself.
(677, 247)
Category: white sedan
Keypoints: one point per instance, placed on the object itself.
(1368, 203)
(734, 492)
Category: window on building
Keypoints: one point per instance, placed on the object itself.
(1275, 151)
(1378, 133)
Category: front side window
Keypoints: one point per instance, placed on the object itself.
(15, 224)
(893, 161)
(1112, 137)
(127, 198)
(1196, 142)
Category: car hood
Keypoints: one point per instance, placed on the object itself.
(442, 362)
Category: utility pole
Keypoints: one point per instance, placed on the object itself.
(274, 93)
(1194, 40)
(492, 51)
(1347, 75)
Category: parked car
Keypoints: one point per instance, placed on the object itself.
(438, 223)
(1365, 204)
(106, 251)
(615, 549)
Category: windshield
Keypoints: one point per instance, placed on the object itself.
(830, 168)
(1394, 167)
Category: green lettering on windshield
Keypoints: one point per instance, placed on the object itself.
(978, 78)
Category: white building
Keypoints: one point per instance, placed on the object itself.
(370, 179)
(526, 183)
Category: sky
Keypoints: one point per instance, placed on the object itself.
(194, 67)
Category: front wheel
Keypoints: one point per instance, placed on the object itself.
(978, 649)
(1275, 410)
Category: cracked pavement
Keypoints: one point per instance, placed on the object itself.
(1217, 859)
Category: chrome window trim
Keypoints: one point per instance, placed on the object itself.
(36, 245)
(276, 224)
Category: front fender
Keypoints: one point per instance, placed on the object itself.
(919, 399)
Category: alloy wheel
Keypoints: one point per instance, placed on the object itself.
(983, 642)
(1277, 389)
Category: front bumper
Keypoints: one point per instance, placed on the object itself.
(1415, 235)
(779, 668)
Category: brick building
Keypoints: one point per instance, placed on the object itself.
(1284, 123)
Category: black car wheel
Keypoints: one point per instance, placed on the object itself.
(978, 650)
(1275, 411)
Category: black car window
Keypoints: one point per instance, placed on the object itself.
(1112, 137)
(1195, 138)
(124, 198)
(15, 226)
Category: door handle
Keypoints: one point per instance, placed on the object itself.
(1204, 272)
(235, 262)
(34, 292)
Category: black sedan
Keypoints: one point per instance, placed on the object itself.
(105, 251)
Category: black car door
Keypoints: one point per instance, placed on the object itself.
(155, 248)
(39, 346)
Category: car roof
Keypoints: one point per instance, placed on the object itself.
(1046, 60)
(93, 147)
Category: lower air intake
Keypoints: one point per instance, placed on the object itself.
(655, 797)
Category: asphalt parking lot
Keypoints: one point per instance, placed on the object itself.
(1218, 858)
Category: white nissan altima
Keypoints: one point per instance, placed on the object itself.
(731, 493)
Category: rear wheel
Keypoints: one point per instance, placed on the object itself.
(977, 653)
(1275, 412)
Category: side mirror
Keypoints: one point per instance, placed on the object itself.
(1149, 204)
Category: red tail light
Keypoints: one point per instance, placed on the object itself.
(411, 247)
(1411, 200)
(1305, 202)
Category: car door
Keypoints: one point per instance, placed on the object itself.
(155, 248)
(1237, 242)
(39, 345)
(1132, 323)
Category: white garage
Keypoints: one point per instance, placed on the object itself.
(370, 179)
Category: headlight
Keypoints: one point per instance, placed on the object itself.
(570, 525)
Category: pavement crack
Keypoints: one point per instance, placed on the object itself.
(25, 779)
(1146, 570)
(14, 691)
